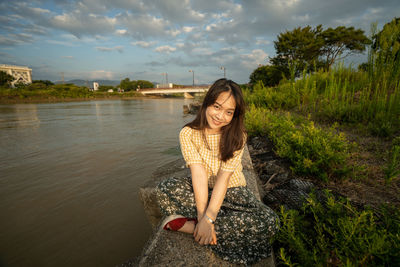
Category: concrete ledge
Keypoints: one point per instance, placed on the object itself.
(166, 248)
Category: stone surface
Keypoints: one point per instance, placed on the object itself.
(166, 248)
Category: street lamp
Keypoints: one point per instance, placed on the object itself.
(192, 71)
(223, 68)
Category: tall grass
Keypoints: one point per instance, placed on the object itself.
(344, 94)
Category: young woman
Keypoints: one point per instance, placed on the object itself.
(214, 204)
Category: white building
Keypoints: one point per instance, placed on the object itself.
(95, 86)
(21, 74)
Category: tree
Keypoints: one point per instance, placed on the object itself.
(105, 88)
(301, 46)
(269, 75)
(126, 85)
(46, 82)
(5, 78)
(387, 41)
(341, 41)
(308, 48)
(144, 84)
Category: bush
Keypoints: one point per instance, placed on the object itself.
(337, 234)
(310, 150)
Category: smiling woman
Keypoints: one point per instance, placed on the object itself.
(214, 204)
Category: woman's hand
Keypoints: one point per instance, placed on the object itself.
(204, 233)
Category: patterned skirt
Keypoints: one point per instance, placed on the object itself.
(244, 225)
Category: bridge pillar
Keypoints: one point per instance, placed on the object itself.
(187, 95)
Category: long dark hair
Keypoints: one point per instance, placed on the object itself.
(232, 135)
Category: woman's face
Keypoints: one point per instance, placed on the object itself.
(221, 112)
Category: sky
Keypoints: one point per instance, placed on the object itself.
(153, 39)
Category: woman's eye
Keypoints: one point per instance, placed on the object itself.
(216, 106)
(230, 113)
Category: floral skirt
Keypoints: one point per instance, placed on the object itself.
(244, 225)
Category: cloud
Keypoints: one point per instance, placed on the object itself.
(165, 49)
(80, 24)
(121, 32)
(101, 74)
(110, 49)
(256, 57)
(262, 42)
(143, 25)
(187, 29)
(143, 44)
(68, 57)
(16, 39)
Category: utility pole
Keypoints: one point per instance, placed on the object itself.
(62, 77)
(223, 68)
(166, 77)
(193, 75)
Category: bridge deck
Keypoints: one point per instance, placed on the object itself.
(173, 90)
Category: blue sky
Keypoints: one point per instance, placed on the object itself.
(141, 39)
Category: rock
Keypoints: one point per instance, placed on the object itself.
(193, 108)
(185, 109)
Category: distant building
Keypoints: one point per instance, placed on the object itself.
(95, 86)
(21, 74)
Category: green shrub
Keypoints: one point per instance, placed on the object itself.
(310, 150)
(337, 234)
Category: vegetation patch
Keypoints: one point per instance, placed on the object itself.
(334, 233)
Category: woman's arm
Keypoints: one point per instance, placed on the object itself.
(204, 232)
(218, 194)
(200, 188)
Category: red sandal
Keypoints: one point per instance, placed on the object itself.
(175, 222)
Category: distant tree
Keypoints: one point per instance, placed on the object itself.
(46, 82)
(144, 84)
(340, 42)
(269, 75)
(126, 85)
(5, 78)
(105, 88)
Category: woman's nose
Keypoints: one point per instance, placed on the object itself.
(219, 114)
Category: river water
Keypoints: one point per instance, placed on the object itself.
(70, 175)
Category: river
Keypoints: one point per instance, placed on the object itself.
(70, 175)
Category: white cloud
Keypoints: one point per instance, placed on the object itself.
(304, 18)
(143, 44)
(68, 57)
(262, 42)
(165, 49)
(187, 29)
(80, 24)
(256, 57)
(110, 49)
(101, 74)
(121, 32)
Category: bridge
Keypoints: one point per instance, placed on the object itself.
(165, 91)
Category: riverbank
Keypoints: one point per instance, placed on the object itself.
(53, 99)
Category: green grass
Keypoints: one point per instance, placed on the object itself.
(337, 234)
